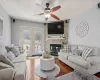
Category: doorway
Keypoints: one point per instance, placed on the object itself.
(32, 40)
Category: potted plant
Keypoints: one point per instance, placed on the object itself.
(46, 54)
(63, 45)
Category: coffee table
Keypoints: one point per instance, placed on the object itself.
(45, 74)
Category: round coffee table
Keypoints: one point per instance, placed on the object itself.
(44, 74)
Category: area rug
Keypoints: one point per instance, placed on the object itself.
(74, 76)
(47, 74)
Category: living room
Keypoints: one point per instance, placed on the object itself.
(49, 40)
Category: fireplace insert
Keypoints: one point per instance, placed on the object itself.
(54, 49)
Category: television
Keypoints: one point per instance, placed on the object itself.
(56, 28)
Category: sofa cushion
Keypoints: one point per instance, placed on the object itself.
(93, 60)
(5, 60)
(20, 69)
(7, 74)
(20, 58)
(10, 55)
(64, 55)
(79, 61)
(3, 65)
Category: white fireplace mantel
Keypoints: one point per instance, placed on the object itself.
(55, 38)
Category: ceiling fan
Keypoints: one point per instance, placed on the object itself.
(48, 12)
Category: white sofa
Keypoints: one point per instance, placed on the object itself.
(91, 64)
(19, 63)
(7, 74)
(20, 67)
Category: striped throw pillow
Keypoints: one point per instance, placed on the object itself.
(86, 52)
(68, 48)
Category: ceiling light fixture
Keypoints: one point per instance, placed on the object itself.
(47, 16)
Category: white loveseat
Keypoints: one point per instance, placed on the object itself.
(19, 64)
(91, 64)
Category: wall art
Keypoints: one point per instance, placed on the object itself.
(82, 29)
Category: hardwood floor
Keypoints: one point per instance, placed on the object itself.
(32, 63)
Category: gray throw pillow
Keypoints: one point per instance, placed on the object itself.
(8, 48)
(16, 51)
(10, 55)
(5, 60)
(77, 52)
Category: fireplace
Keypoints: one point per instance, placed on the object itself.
(54, 49)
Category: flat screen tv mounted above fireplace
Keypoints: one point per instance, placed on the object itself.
(56, 28)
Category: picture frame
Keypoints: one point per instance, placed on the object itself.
(1, 27)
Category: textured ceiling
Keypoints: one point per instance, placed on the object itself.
(26, 9)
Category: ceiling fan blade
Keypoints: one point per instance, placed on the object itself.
(54, 16)
(39, 14)
(55, 8)
(41, 6)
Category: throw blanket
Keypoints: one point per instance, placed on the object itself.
(7, 74)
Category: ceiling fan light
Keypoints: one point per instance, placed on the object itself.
(47, 15)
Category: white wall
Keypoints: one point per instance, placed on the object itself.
(6, 40)
(15, 29)
(92, 17)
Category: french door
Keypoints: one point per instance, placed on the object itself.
(32, 39)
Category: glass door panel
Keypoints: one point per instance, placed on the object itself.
(27, 39)
(32, 40)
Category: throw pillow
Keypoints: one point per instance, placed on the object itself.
(86, 52)
(3, 65)
(10, 56)
(5, 60)
(16, 51)
(73, 47)
(68, 49)
(8, 48)
(77, 52)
